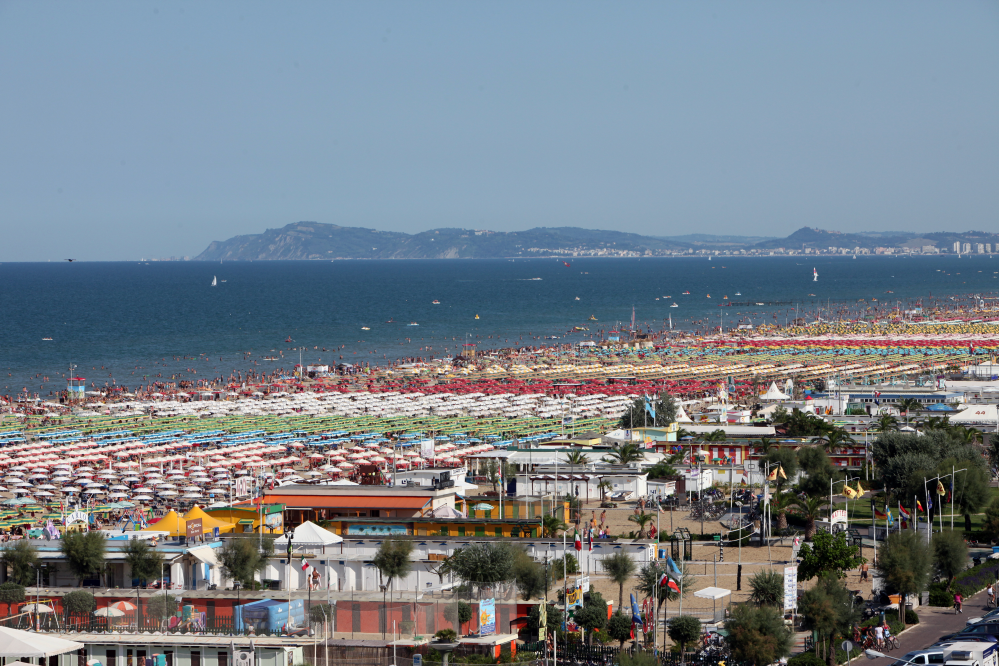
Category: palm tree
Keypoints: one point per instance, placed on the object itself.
(936, 423)
(620, 567)
(551, 526)
(886, 423)
(763, 445)
(907, 405)
(967, 435)
(779, 504)
(716, 436)
(811, 509)
(624, 454)
(576, 458)
(603, 487)
(834, 439)
(642, 519)
(392, 561)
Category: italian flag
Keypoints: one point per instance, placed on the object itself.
(305, 563)
(579, 542)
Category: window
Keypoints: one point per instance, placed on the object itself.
(112, 657)
(935, 658)
(129, 658)
(223, 659)
(195, 658)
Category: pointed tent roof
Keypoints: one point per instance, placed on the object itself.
(308, 534)
(171, 523)
(208, 523)
(681, 415)
(773, 393)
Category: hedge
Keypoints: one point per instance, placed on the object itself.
(968, 582)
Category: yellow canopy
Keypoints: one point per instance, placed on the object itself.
(171, 523)
(208, 523)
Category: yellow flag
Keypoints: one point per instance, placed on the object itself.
(860, 489)
(848, 492)
(781, 471)
(940, 488)
(773, 474)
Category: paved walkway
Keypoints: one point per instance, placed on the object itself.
(933, 623)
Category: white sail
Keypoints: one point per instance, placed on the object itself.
(214, 281)
(815, 275)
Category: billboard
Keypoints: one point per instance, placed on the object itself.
(487, 617)
(790, 588)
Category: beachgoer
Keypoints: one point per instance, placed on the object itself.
(879, 636)
(958, 600)
(863, 571)
(992, 594)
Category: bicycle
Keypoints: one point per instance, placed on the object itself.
(892, 643)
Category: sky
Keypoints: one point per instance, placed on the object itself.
(138, 129)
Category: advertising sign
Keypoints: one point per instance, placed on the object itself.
(194, 529)
(574, 597)
(427, 449)
(790, 588)
(487, 617)
(839, 516)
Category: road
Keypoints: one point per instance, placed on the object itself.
(933, 623)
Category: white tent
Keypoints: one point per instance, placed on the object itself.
(773, 393)
(977, 414)
(681, 415)
(307, 534)
(445, 511)
(17, 643)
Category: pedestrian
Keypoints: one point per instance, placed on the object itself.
(958, 600)
(863, 571)
(992, 594)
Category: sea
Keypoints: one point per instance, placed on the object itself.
(135, 322)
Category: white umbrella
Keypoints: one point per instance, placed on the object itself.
(17, 643)
(108, 611)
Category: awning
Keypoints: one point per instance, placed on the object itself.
(347, 502)
(712, 593)
(17, 643)
(245, 521)
(205, 554)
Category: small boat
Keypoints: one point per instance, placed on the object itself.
(365, 328)
(288, 339)
(724, 298)
(738, 293)
(391, 320)
(759, 303)
(47, 339)
(657, 298)
(436, 302)
(687, 293)
(476, 316)
(593, 318)
(709, 295)
(412, 323)
(667, 297)
(533, 279)
(854, 256)
(214, 281)
(577, 298)
(223, 280)
(674, 306)
(579, 328)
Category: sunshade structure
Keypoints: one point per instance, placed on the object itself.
(307, 534)
(17, 643)
(713, 593)
(445, 511)
(774, 393)
(976, 414)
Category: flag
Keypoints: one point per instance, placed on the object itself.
(940, 488)
(880, 515)
(589, 536)
(649, 407)
(919, 505)
(780, 470)
(579, 543)
(891, 520)
(929, 503)
(663, 580)
(773, 474)
(636, 615)
(672, 569)
(860, 489)
(305, 563)
(877, 394)
(673, 586)
(848, 492)
(903, 511)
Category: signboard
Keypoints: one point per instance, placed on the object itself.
(583, 584)
(242, 486)
(487, 617)
(194, 529)
(838, 516)
(77, 517)
(274, 521)
(417, 659)
(669, 487)
(790, 588)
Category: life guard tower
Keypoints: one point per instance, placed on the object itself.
(76, 388)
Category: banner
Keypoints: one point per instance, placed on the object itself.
(574, 597)
(427, 449)
(790, 588)
(487, 617)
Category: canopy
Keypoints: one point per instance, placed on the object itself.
(773, 393)
(171, 523)
(17, 643)
(308, 534)
(977, 414)
(681, 415)
(208, 523)
(714, 593)
(205, 554)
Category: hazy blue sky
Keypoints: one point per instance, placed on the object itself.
(149, 129)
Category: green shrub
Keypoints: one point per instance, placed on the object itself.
(446, 636)
(969, 582)
(805, 659)
(79, 602)
(911, 617)
(939, 596)
(11, 593)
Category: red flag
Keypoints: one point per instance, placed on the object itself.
(663, 580)
(919, 505)
(567, 264)
(902, 510)
(579, 542)
(673, 586)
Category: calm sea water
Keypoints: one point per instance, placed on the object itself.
(146, 318)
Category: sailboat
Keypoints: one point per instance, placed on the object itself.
(815, 275)
(214, 281)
